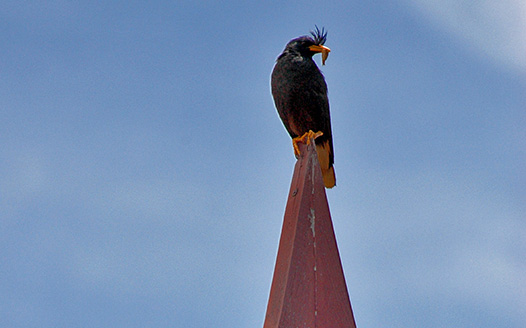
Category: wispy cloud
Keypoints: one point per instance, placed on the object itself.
(497, 29)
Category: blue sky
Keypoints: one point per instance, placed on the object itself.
(144, 170)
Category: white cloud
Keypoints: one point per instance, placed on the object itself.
(496, 29)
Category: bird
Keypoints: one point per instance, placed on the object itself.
(300, 96)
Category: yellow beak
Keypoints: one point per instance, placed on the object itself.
(324, 52)
(316, 48)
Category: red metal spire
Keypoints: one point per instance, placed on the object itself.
(308, 288)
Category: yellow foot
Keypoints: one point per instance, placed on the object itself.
(304, 139)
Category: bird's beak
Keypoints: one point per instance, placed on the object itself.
(324, 51)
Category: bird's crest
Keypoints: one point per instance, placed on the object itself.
(320, 36)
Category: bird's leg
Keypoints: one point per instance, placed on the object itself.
(304, 139)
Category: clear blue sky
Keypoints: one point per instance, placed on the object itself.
(144, 170)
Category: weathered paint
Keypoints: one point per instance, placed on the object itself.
(308, 288)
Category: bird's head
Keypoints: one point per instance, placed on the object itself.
(308, 46)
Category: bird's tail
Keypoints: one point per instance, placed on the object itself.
(327, 170)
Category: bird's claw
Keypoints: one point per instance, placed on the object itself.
(306, 138)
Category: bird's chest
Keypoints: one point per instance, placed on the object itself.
(296, 76)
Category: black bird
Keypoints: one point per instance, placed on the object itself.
(300, 96)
